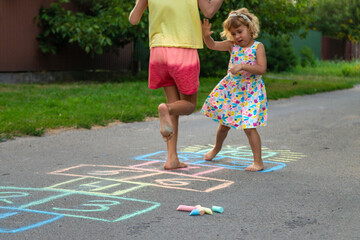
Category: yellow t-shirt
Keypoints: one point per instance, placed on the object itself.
(174, 23)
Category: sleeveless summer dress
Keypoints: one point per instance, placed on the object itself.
(239, 101)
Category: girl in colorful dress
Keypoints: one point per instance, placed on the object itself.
(175, 36)
(239, 99)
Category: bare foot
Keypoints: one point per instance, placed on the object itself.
(174, 165)
(254, 167)
(166, 128)
(211, 154)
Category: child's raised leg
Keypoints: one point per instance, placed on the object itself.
(221, 134)
(166, 123)
(177, 104)
(255, 144)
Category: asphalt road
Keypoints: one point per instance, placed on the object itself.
(109, 183)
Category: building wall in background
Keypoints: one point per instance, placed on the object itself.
(19, 50)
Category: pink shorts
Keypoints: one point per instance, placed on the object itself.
(171, 66)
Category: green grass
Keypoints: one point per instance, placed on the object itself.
(330, 68)
(31, 109)
(285, 88)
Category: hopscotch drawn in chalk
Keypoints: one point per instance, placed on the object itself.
(245, 152)
(235, 158)
(111, 180)
(26, 208)
(94, 191)
(241, 152)
(14, 220)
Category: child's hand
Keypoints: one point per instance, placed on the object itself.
(206, 26)
(236, 68)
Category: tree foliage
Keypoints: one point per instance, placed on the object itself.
(100, 25)
(277, 17)
(338, 18)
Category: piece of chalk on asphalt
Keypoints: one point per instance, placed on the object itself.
(185, 208)
(207, 210)
(201, 210)
(218, 209)
(195, 212)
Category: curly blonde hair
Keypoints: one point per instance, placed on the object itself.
(240, 17)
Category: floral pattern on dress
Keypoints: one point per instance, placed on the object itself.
(239, 100)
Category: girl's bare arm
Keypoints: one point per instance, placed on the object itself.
(210, 42)
(138, 11)
(209, 7)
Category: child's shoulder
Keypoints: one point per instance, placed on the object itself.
(257, 43)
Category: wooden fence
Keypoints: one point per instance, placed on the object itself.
(339, 49)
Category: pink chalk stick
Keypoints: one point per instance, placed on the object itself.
(185, 208)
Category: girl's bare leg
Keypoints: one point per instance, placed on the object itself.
(177, 104)
(255, 144)
(221, 134)
(166, 123)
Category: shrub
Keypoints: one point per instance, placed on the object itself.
(351, 71)
(280, 54)
(307, 57)
(213, 63)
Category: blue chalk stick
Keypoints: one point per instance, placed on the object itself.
(194, 212)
